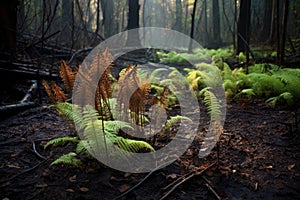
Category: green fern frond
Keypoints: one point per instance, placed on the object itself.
(102, 135)
(113, 127)
(212, 104)
(265, 85)
(82, 147)
(61, 141)
(155, 75)
(172, 121)
(131, 145)
(68, 159)
(284, 98)
(249, 93)
(64, 108)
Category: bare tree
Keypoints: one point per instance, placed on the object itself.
(108, 17)
(284, 29)
(192, 26)
(216, 22)
(243, 27)
(178, 16)
(133, 22)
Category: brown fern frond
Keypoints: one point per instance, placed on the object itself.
(84, 90)
(49, 91)
(128, 83)
(67, 75)
(138, 102)
(105, 89)
(163, 97)
(59, 94)
(100, 63)
(160, 100)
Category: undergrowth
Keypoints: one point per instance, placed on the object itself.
(103, 126)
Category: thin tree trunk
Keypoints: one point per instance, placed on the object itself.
(267, 20)
(98, 17)
(284, 29)
(216, 22)
(192, 27)
(133, 23)
(178, 21)
(243, 26)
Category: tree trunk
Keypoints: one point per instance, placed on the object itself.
(8, 22)
(284, 29)
(178, 21)
(192, 27)
(265, 32)
(243, 27)
(133, 23)
(108, 14)
(66, 20)
(216, 23)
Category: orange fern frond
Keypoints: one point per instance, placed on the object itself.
(160, 100)
(59, 94)
(67, 75)
(128, 83)
(49, 91)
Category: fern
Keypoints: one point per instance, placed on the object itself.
(82, 147)
(284, 98)
(68, 159)
(61, 141)
(212, 104)
(64, 108)
(172, 121)
(249, 93)
(99, 134)
(265, 85)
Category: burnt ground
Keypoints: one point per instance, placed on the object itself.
(259, 159)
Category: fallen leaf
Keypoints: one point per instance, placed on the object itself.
(13, 166)
(84, 189)
(290, 167)
(172, 176)
(69, 190)
(72, 179)
(126, 175)
(124, 187)
(41, 185)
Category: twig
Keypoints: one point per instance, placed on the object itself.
(78, 52)
(177, 180)
(6, 182)
(147, 176)
(186, 179)
(32, 90)
(36, 152)
(13, 140)
(210, 187)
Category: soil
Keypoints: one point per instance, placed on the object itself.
(259, 159)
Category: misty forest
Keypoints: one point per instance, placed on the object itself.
(95, 93)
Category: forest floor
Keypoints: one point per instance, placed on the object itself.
(259, 159)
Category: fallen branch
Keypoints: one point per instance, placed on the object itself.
(196, 173)
(33, 75)
(78, 52)
(17, 106)
(210, 187)
(24, 104)
(147, 176)
(7, 182)
(32, 91)
(36, 152)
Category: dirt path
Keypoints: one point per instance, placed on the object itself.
(257, 161)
